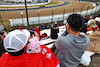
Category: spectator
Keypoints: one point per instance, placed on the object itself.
(99, 14)
(59, 24)
(1, 28)
(32, 28)
(45, 26)
(64, 22)
(84, 28)
(41, 27)
(55, 24)
(85, 20)
(20, 28)
(91, 17)
(15, 43)
(2, 50)
(91, 23)
(51, 26)
(95, 39)
(37, 30)
(72, 46)
(54, 32)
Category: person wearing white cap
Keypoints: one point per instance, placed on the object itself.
(92, 26)
(15, 43)
(95, 39)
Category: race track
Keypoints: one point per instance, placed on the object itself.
(45, 12)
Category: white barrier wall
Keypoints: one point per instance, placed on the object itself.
(46, 19)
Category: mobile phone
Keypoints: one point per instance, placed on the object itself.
(31, 32)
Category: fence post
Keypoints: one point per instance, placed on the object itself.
(91, 10)
(96, 10)
(81, 10)
(26, 13)
(33, 24)
(73, 10)
(87, 11)
(8, 28)
(1, 19)
(52, 15)
(63, 14)
(38, 17)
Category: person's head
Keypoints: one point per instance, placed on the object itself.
(91, 17)
(75, 22)
(36, 29)
(15, 42)
(91, 23)
(54, 27)
(34, 45)
(98, 21)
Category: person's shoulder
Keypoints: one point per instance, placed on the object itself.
(96, 33)
(61, 38)
(4, 56)
(86, 37)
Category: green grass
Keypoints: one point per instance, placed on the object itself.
(5, 22)
(51, 3)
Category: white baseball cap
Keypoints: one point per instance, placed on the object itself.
(97, 19)
(16, 40)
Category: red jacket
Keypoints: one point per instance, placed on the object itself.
(30, 60)
(95, 28)
(88, 29)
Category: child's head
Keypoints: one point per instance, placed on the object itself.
(33, 46)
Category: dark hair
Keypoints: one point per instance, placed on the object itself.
(16, 53)
(98, 24)
(75, 21)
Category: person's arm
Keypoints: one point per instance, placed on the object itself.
(65, 33)
(36, 34)
(58, 43)
(57, 30)
(5, 33)
(92, 36)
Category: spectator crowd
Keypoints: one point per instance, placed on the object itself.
(22, 47)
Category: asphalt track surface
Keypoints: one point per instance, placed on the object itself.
(65, 3)
(6, 15)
